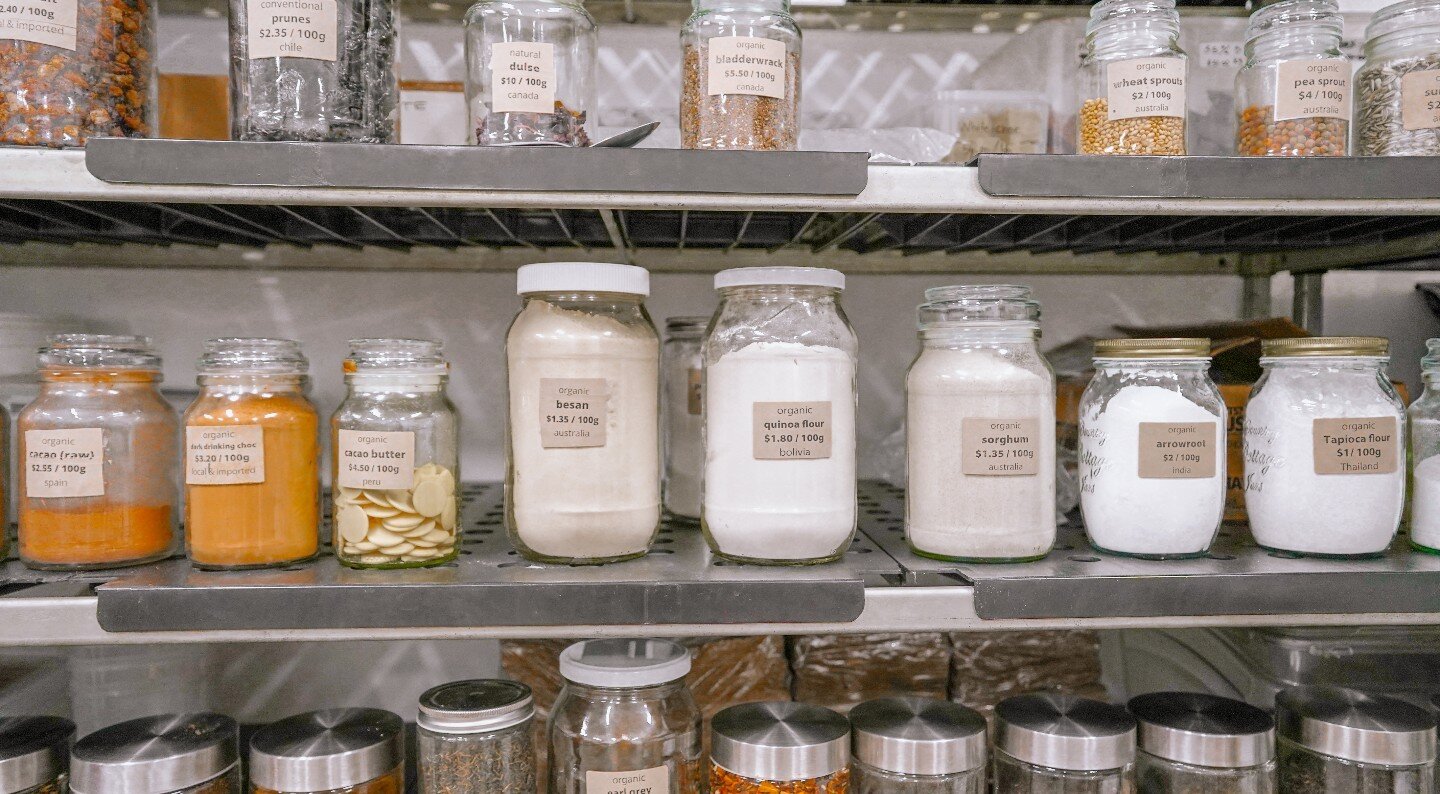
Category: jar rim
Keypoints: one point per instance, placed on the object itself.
(1285, 15)
(620, 663)
(963, 305)
(1326, 347)
(480, 705)
(1109, 15)
(1176, 347)
(240, 354)
(98, 351)
(382, 356)
(1404, 15)
(735, 277)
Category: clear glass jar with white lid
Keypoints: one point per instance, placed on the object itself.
(1325, 448)
(740, 76)
(476, 737)
(780, 401)
(779, 747)
(35, 754)
(1191, 743)
(1334, 740)
(167, 754)
(1424, 416)
(330, 751)
(1152, 449)
(682, 364)
(914, 745)
(1292, 95)
(1064, 744)
(1132, 80)
(1395, 110)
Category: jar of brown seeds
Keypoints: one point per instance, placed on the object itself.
(1132, 80)
(1292, 96)
(740, 80)
(1397, 91)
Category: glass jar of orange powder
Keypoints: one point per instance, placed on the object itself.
(97, 450)
(252, 457)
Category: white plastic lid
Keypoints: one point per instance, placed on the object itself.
(796, 276)
(582, 277)
(624, 663)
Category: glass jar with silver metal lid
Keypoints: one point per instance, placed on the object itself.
(779, 747)
(1062, 743)
(913, 745)
(34, 754)
(1333, 740)
(344, 751)
(1196, 743)
(167, 754)
(475, 738)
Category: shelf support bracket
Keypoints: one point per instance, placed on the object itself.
(1308, 306)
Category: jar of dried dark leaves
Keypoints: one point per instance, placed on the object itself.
(1333, 740)
(740, 76)
(1397, 91)
(474, 738)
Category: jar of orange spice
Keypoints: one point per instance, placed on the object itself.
(252, 457)
(97, 447)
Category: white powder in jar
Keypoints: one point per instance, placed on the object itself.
(788, 509)
(1425, 503)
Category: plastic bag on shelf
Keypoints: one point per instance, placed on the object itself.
(989, 666)
(840, 671)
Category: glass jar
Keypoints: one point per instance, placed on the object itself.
(912, 745)
(1324, 441)
(475, 738)
(1192, 743)
(168, 754)
(252, 457)
(529, 72)
(1063, 744)
(98, 447)
(326, 75)
(779, 748)
(396, 457)
(1424, 415)
(980, 414)
(335, 751)
(740, 76)
(682, 366)
(1132, 80)
(90, 72)
(1152, 449)
(583, 481)
(1333, 740)
(625, 719)
(992, 122)
(780, 403)
(35, 754)
(1293, 92)
(1395, 112)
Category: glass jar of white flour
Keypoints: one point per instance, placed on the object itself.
(1425, 455)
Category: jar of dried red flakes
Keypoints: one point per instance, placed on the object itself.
(779, 748)
(77, 69)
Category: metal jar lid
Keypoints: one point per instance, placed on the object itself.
(1324, 346)
(1204, 730)
(780, 741)
(1174, 347)
(33, 751)
(153, 754)
(1065, 732)
(478, 706)
(327, 749)
(624, 663)
(1366, 729)
(917, 736)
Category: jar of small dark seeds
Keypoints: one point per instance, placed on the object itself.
(475, 738)
(1061, 744)
(1202, 744)
(34, 754)
(740, 76)
(1292, 94)
(1334, 740)
(912, 745)
(1397, 91)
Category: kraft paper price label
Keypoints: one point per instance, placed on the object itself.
(522, 77)
(746, 65)
(573, 412)
(1367, 445)
(792, 430)
(1313, 89)
(1420, 100)
(1000, 446)
(224, 455)
(642, 781)
(292, 29)
(378, 460)
(694, 391)
(61, 463)
(1178, 450)
(1145, 87)
(49, 22)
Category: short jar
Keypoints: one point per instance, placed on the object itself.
(97, 447)
(779, 748)
(1424, 416)
(1152, 449)
(1064, 744)
(396, 457)
(1340, 740)
(475, 738)
(167, 754)
(740, 76)
(914, 745)
(1193, 743)
(681, 371)
(1324, 448)
(780, 403)
(625, 717)
(1132, 80)
(35, 754)
(252, 457)
(331, 751)
(1395, 112)
(582, 483)
(1286, 43)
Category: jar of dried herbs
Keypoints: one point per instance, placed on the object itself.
(1193, 743)
(1334, 740)
(331, 751)
(1063, 743)
(1293, 92)
(475, 738)
(1397, 91)
(779, 748)
(34, 754)
(740, 76)
(1132, 79)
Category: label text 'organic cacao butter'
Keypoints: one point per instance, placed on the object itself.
(49, 22)
(1364, 445)
(746, 65)
(999, 446)
(1312, 89)
(793, 430)
(522, 77)
(1178, 450)
(293, 29)
(1145, 87)
(65, 463)
(573, 412)
(655, 780)
(224, 455)
(1420, 100)
(372, 459)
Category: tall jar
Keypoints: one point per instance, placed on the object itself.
(780, 403)
(1293, 92)
(35, 754)
(252, 457)
(740, 76)
(1324, 445)
(912, 745)
(1132, 79)
(1152, 449)
(475, 737)
(625, 719)
(98, 449)
(317, 70)
(1063, 744)
(529, 72)
(331, 751)
(681, 370)
(779, 748)
(1424, 415)
(1191, 742)
(980, 417)
(1396, 112)
(396, 457)
(1333, 740)
(168, 754)
(583, 481)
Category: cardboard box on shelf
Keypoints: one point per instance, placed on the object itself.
(840, 671)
